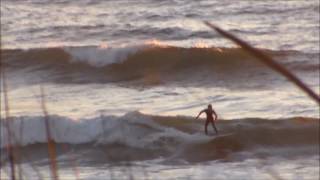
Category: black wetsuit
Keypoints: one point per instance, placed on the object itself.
(210, 119)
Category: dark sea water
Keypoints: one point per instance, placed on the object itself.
(124, 80)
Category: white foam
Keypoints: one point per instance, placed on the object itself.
(30, 130)
(98, 57)
(133, 129)
(138, 130)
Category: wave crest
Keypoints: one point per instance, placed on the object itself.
(152, 63)
(144, 131)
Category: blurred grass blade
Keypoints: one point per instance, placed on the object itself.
(268, 61)
(51, 143)
(9, 146)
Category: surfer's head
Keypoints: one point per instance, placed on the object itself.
(209, 106)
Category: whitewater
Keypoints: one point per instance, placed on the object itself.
(124, 80)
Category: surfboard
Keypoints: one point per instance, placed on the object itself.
(220, 135)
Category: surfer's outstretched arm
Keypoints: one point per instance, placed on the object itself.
(200, 114)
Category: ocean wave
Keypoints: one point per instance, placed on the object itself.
(138, 130)
(149, 62)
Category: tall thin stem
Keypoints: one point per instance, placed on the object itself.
(268, 61)
(7, 123)
(51, 143)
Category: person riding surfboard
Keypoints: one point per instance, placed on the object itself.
(210, 119)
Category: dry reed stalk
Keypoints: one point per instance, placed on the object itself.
(11, 150)
(73, 159)
(19, 150)
(273, 65)
(9, 146)
(20, 170)
(51, 143)
(73, 163)
(267, 60)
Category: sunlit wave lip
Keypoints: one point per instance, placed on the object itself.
(156, 43)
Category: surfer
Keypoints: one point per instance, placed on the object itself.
(209, 112)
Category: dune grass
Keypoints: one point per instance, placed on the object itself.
(267, 60)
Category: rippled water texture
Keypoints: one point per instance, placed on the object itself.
(278, 25)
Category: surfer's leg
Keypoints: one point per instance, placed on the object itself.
(206, 127)
(214, 127)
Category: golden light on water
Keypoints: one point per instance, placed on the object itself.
(201, 45)
(156, 42)
(103, 45)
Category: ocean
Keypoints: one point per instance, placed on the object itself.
(124, 80)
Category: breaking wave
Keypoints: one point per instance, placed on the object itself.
(146, 131)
